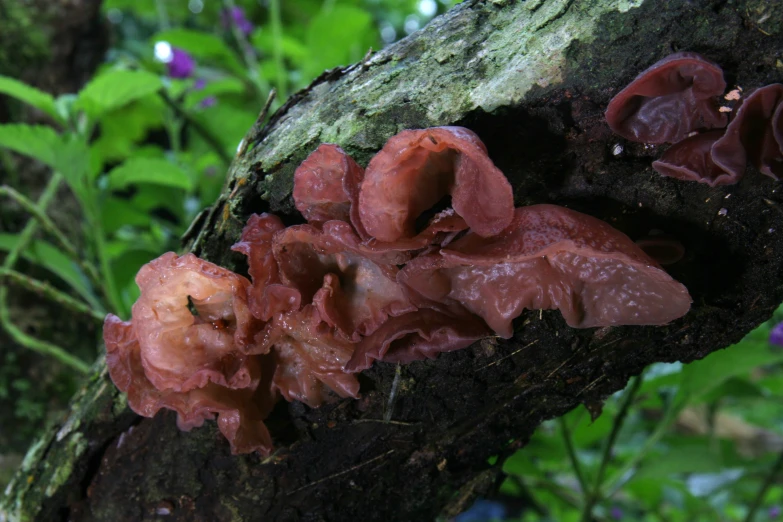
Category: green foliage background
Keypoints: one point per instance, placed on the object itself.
(142, 153)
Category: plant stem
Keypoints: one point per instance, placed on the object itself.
(569, 444)
(16, 334)
(51, 229)
(39, 346)
(768, 480)
(96, 224)
(592, 499)
(672, 410)
(277, 49)
(248, 54)
(163, 15)
(200, 129)
(52, 293)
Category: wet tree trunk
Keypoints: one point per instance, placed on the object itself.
(532, 79)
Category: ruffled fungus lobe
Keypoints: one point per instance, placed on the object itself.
(551, 257)
(267, 296)
(418, 335)
(416, 168)
(669, 100)
(183, 349)
(309, 358)
(326, 184)
(357, 284)
(755, 133)
(691, 160)
(351, 291)
(198, 365)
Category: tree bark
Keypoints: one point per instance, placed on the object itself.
(532, 79)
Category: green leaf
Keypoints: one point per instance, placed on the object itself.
(116, 88)
(700, 377)
(686, 458)
(219, 88)
(228, 124)
(68, 156)
(123, 128)
(588, 432)
(292, 48)
(202, 45)
(47, 256)
(339, 36)
(118, 212)
(37, 141)
(149, 170)
(29, 95)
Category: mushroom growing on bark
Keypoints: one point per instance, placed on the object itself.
(755, 133)
(359, 284)
(191, 348)
(674, 97)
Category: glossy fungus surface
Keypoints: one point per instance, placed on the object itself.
(417, 168)
(190, 348)
(669, 100)
(358, 284)
(326, 183)
(755, 133)
(691, 160)
(551, 257)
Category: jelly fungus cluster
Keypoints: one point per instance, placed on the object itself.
(676, 101)
(360, 283)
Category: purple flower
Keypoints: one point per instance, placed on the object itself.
(774, 511)
(181, 64)
(199, 84)
(207, 102)
(616, 513)
(776, 335)
(236, 16)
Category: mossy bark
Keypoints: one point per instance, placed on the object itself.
(532, 79)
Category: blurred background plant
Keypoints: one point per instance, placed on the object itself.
(133, 156)
(143, 147)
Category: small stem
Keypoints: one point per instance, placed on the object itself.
(51, 229)
(248, 54)
(163, 15)
(210, 138)
(592, 499)
(110, 288)
(527, 496)
(555, 489)
(768, 480)
(16, 334)
(29, 229)
(52, 293)
(672, 410)
(39, 346)
(277, 47)
(569, 444)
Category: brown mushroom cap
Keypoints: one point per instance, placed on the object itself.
(416, 168)
(551, 257)
(669, 100)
